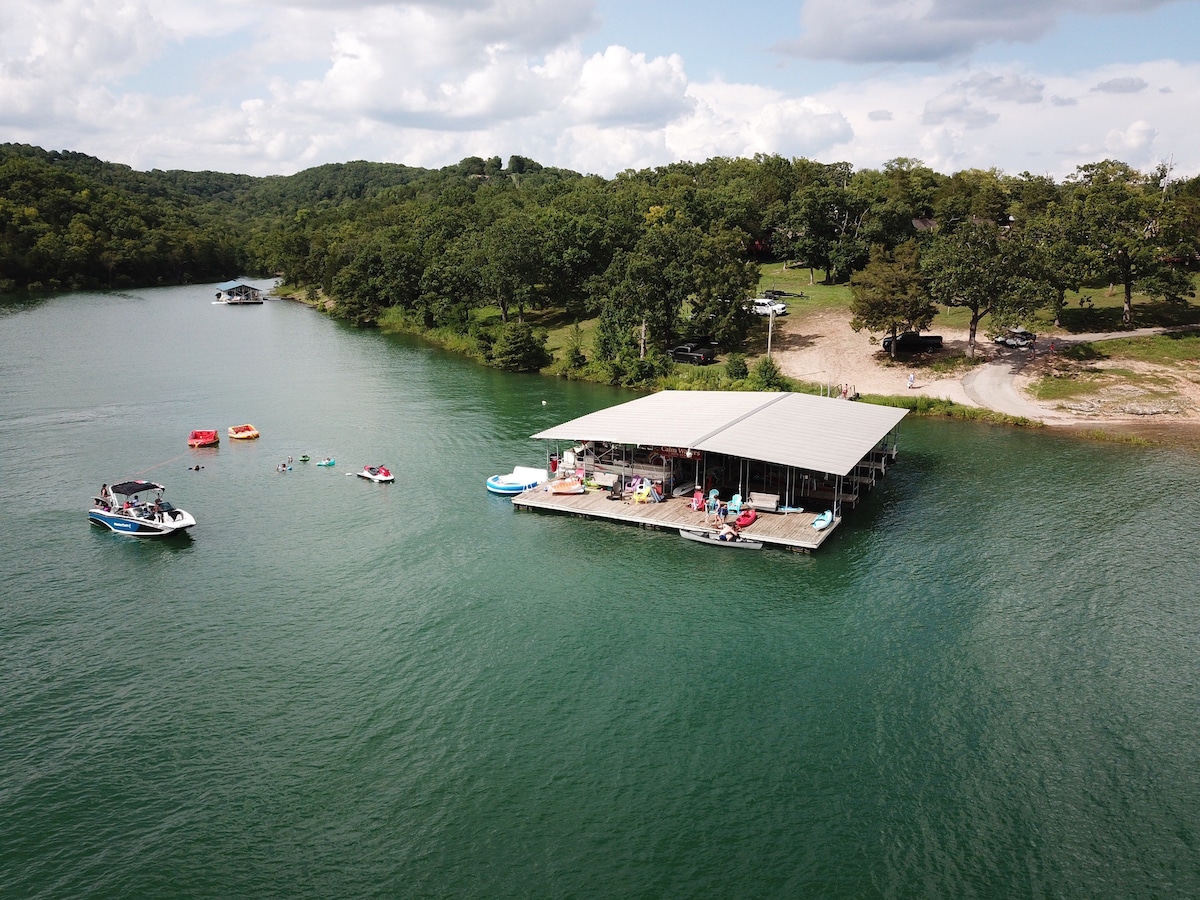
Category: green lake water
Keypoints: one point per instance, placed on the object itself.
(984, 685)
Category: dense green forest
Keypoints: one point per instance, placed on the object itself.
(650, 256)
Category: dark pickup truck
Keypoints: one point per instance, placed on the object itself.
(914, 342)
(693, 352)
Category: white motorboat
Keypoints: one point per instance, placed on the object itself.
(137, 508)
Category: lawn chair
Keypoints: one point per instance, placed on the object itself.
(698, 499)
(735, 505)
(713, 503)
(642, 494)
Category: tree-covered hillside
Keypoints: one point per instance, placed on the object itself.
(650, 256)
(68, 220)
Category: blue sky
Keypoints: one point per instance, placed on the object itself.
(275, 86)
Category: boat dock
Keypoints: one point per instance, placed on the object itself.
(793, 456)
(790, 531)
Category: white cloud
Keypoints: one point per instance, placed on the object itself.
(53, 53)
(741, 120)
(624, 88)
(952, 121)
(1133, 142)
(273, 86)
(875, 31)
(1127, 85)
(955, 107)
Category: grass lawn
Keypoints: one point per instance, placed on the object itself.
(796, 281)
(1161, 349)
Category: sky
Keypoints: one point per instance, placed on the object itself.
(271, 87)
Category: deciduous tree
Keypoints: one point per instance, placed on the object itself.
(985, 271)
(889, 294)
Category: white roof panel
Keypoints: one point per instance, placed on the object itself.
(817, 433)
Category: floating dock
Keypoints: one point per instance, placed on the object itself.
(792, 450)
(791, 530)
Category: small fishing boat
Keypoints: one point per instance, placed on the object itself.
(710, 537)
(378, 474)
(204, 438)
(243, 432)
(327, 462)
(126, 509)
(822, 521)
(520, 479)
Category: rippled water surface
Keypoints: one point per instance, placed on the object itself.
(984, 685)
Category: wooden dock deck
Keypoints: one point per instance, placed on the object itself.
(791, 531)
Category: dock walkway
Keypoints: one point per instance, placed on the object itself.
(792, 531)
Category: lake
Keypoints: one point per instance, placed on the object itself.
(985, 684)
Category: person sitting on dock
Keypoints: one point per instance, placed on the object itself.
(728, 532)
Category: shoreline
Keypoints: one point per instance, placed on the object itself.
(821, 348)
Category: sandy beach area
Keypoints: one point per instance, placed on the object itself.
(822, 348)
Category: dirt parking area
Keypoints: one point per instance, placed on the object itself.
(822, 348)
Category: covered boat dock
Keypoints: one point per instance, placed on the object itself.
(237, 293)
(790, 456)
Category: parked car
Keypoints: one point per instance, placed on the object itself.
(913, 342)
(694, 353)
(1016, 337)
(764, 306)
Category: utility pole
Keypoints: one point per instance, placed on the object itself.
(770, 330)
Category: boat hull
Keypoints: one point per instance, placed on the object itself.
(137, 526)
(243, 432)
(708, 537)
